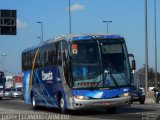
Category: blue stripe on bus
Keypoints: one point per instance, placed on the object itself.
(26, 81)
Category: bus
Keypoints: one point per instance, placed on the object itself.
(78, 72)
(2, 84)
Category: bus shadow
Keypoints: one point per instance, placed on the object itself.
(11, 98)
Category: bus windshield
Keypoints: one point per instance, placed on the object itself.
(92, 62)
(115, 63)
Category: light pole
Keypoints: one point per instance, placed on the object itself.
(3, 55)
(70, 29)
(41, 31)
(146, 47)
(155, 22)
(107, 22)
(1, 65)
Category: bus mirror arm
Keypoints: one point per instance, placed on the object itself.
(131, 55)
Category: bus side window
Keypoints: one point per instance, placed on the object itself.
(40, 58)
(37, 65)
(45, 57)
(28, 61)
(54, 58)
(50, 56)
(58, 52)
(23, 61)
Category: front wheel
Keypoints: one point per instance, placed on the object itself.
(111, 110)
(62, 105)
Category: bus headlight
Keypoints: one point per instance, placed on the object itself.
(125, 95)
(81, 97)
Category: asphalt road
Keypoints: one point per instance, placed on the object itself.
(16, 109)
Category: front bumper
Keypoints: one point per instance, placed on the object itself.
(101, 103)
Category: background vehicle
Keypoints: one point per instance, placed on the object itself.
(138, 95)
(8, 92)
(17, 81)
(157, 99)
(16, 92)
(71, 72)
(2, 84)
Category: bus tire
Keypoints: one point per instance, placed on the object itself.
(0, 98)
(111, 110)
(61, 104)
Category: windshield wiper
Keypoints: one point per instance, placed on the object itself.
(127, 82)
(114, 80)
(112, 77)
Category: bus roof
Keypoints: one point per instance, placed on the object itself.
(89, 36)
(74, 37)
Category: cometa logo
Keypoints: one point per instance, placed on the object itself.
(47, 76)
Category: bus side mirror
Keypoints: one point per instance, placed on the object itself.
(133, 62)
(133, 65)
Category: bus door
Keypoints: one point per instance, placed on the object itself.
(67, 83)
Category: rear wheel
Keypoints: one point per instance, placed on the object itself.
(0, 98)
(33, 102)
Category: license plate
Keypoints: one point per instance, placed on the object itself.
(102, 103)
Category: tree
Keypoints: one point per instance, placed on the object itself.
(140, 76)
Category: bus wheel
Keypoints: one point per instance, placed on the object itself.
(61, 105)
(0, 98)
(111, 110)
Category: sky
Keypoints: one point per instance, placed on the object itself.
(127, 18)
